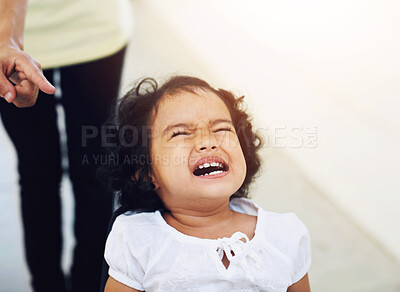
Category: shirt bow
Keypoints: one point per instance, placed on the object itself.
(233, 247)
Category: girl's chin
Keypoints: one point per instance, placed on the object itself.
(217, 192)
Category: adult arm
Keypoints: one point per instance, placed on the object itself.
(303, 285)
(115, 286)
(15, 64)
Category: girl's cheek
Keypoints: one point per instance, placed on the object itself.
(230, 142)
(188, 143)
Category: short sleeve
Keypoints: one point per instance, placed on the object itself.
(302, 250)
(125, 267)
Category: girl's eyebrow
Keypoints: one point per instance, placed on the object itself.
(188, 126)
(219, 121)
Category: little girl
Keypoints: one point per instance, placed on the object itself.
(186, 155)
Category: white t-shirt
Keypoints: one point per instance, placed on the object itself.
(146, 253)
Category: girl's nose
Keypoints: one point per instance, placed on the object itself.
(205, 141)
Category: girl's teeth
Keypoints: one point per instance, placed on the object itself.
(214, 164)
(214, 172)
(211, 164)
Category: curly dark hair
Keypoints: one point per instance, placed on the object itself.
(130, 174)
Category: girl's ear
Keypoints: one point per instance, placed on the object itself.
(154, 181)
(152, 178)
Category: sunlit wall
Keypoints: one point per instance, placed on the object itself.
(323, 78)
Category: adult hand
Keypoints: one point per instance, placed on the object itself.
(25, 74)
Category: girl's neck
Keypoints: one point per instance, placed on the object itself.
(201, 223)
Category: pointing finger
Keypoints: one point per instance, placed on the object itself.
(35, 75)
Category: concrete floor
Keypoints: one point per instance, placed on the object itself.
(344, 257)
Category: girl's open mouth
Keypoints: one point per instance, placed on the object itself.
(211, 167)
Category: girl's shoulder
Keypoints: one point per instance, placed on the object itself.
(131, 217)
(283, 232)
(271, 222)
(137, 229)
(134, 222)
(133, 240)
(283, 228)
(286, 237)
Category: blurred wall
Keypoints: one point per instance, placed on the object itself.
(323, 77)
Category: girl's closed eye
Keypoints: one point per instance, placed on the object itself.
(227, 128)
(179, 132)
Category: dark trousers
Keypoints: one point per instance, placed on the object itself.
(88, 92)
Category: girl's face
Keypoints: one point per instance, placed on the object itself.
(196, 155)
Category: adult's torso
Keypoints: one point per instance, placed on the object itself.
(67, 32)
